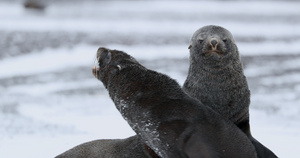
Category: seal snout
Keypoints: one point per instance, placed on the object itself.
(214, 43)
(214, 46)
(103, 58)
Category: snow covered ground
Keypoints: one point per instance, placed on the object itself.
(50, 102)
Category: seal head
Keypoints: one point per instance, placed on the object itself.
(213, 45)
(106, 65)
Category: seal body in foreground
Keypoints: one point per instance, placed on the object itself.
(130, 147)
(216, 78)
(170, 122)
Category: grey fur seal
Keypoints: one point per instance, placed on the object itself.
(170, 122)
(216, 75)
(216, 78)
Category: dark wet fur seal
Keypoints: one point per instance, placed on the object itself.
(217, 79)
(131, 147)
(168, 120)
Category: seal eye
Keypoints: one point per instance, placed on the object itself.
(119, 67)
(200, 41)
(224, 40)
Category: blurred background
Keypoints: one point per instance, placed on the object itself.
(50, 102)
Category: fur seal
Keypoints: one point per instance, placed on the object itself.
(170, 122)
(216, 78)
(131, 147)
(216, 74)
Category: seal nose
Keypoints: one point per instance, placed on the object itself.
(214, 42)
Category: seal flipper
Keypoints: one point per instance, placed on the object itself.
(261, 150)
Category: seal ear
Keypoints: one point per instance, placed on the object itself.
(190, 47)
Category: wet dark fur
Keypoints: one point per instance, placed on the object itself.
(216, 78)
(109, 148)
(168, 120)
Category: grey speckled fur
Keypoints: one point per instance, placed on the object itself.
(216, 78)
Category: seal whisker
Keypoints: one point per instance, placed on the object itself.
(95, 61)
